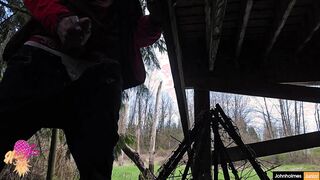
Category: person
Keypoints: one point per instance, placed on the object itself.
(70, 73)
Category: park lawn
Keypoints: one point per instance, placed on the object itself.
(130, 172)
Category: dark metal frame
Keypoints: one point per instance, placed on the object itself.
(210, 119)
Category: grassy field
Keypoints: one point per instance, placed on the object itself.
(130, 172)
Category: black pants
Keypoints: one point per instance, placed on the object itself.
(36, 92)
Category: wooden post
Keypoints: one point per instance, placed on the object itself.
(52, 154)
(202, 165)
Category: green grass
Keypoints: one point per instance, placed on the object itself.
(130, 172)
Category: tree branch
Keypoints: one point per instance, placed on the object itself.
(7, 19)
(15, 8)
(135, 157)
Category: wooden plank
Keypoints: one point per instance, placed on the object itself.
(261, 14)
(256, 88)
(189, 3)
(279, 24)
(262, 5)
(278, 146)
(230, 24)
(192, 28)
(191, 11)
(191, 20)
(192, 34)
(175, 57)
(214, 12)
(263, 22)
(242, 28)
(313, 29)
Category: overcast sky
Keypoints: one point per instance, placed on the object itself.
(255, 118)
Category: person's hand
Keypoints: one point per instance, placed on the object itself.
(74, 32)
(155, 8)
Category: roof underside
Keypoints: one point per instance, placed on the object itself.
(248, 46)
(254, 47)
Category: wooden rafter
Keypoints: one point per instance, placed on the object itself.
(214, 15)
(278, 146)
(175, 56)
(280, 21)
(242, 28)
(256, 88)
(313, 29)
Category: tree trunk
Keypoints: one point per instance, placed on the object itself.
(299, 119)
(122, 126)
(283, 118)
(317, 116)
(296, 118)
(189, 95)
(169, 124)
(131, 123)
(289, 126)
(304, 125)
(123, 118)
(302, 114)
(52, 154)
(139, 125)
(154, 131)
(268, 121)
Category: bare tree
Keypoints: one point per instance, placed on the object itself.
(299, 115)
(317, 116)
(224, 99)
(302, 116)
(165, 127)
(163, 112)
(285, 117)
(122, 124)
(153, 131)
(141, 93)
(169, 122)
(123, 114)
(133, 110)
(264, 108)
(189, 95)
(139, 126)
(267, 120)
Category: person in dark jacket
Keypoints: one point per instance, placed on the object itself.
(70, 73)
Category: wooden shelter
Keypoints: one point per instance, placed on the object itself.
(266, 48)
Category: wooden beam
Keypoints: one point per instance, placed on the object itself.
(246, 11)
(256, 88)
(280, 21)
(314, 28)
(278, 146)
(201, 102)
(214, 15)
(202, 164)
(175, 57)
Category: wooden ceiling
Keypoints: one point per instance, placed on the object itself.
(246, 46)
(266, 48)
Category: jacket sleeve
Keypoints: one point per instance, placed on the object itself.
(146, 33)
(47, 12)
